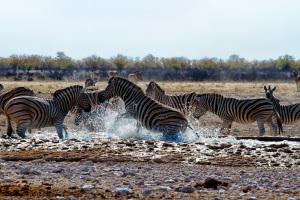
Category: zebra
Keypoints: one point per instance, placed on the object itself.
(135, 77)
(89, 83)
(148, 113)
(6, 95)
(297, 79)
(112, 73)
(289, 114)
(182, 103)
(33, 112)
(241, 111)
(1, 87)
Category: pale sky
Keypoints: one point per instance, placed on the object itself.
(254, 29)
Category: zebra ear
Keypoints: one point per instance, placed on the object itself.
(265, 88)
(274, 88)
(269, 88)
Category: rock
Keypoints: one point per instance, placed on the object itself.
(59, 198)
(6, 179)
(277, 146)
(146, 192)
(213, 183)
(291, 198)
(185, 189)
(165, 144)
(247, 189)
(252, 198)
(55, 140)
(123, 191)
(87, 187)
(28, 171)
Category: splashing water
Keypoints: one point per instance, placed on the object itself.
(108, 126)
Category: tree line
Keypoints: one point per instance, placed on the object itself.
(233, 68)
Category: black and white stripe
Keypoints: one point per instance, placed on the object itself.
(149, 113)
(241, 111)
(182, 103)
(6, 95)
(289, 114)
(27, 112)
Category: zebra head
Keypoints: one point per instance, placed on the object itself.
(296, 75)
(153, 90)
(269, 93)
(199, 106)
(89, 82)
(1, 87)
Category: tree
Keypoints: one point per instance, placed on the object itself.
(286, 62)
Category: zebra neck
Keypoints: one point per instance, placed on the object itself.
(214, 104)
(276, 104)
(93, 98)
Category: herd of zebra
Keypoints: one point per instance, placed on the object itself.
(152, 109)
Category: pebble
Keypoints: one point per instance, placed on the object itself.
(123, 191)
(87, 187)
(185, 189)
(146, 192)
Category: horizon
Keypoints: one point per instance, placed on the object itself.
(254, 30)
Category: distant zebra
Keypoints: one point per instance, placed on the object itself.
(182, 103)
(89, 83)
(149, 113)
(135, 77)
(112, 74)
(6, 95)
(241, 111)
(289, 114)
(1, 87)
(32, 112)
(297, 79)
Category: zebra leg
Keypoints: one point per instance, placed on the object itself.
(59, 130)
(21, 131)
(272, 126)
(261, 126)
(9, 128)
(138, 127)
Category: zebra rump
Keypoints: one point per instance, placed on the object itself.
(5, 96)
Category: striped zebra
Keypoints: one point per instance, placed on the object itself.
(1, 87)
(297, 79)
(111, 74)
(89, 83)
(149, 113)
(289, 114)
(241, 111)
(5, 96)
(182, 103)
(32, 112)
(135, 77)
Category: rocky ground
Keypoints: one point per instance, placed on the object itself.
(211, 169)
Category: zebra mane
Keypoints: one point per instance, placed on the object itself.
(153, 84)
(57, 93)
(211, 95)
(127, 82)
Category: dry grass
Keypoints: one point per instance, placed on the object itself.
(286, 92)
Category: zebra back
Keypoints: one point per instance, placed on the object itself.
(242, 111)
(67, 98)
(5, 96)
(183, 103)
(151, 114)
